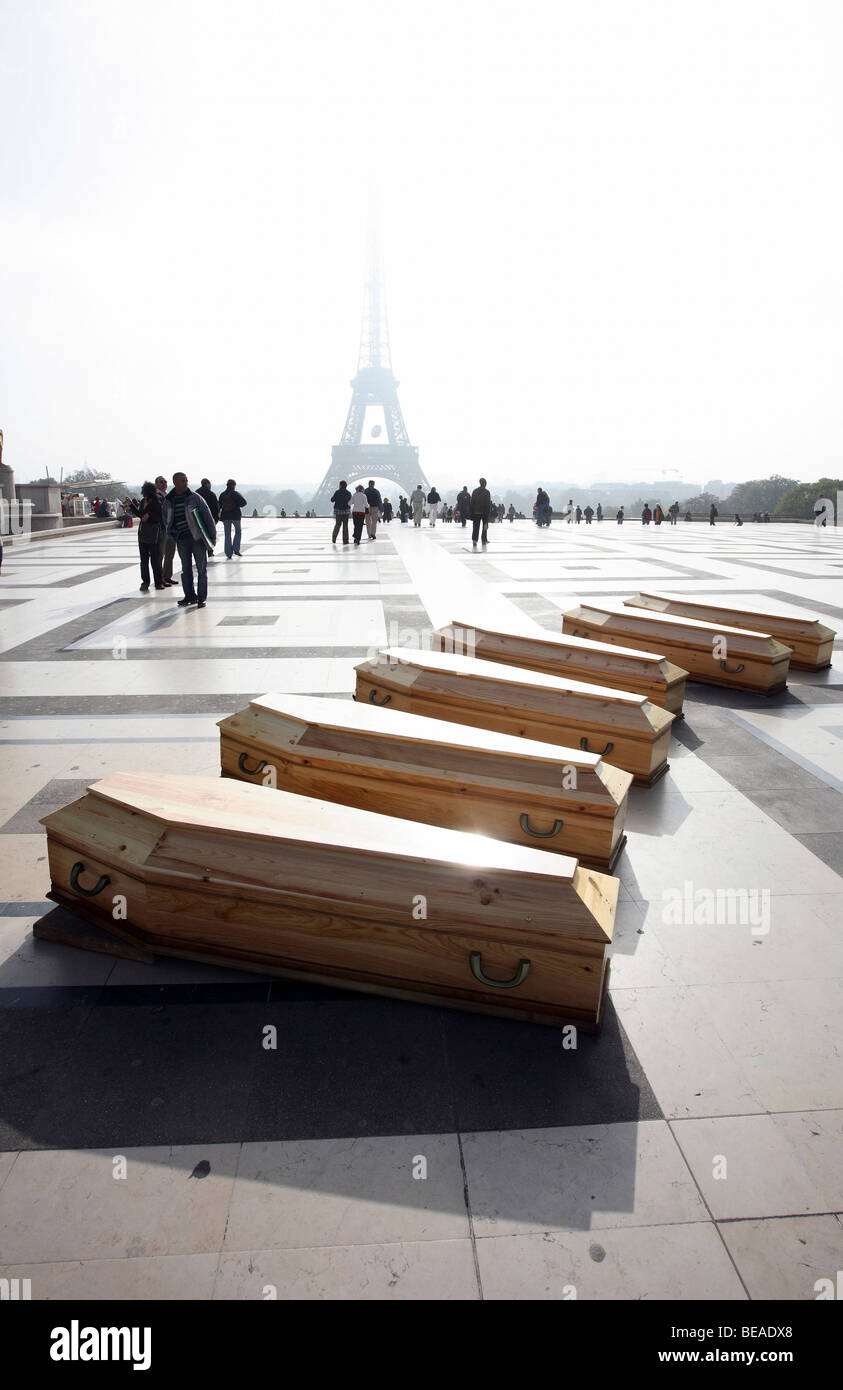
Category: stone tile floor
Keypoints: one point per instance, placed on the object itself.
(152, 1149)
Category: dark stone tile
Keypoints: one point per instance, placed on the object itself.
(800, 809)
(27, 909)
(757, 767)
(509, 1075)
(51, 797)
(360, 1067)
(828, 848)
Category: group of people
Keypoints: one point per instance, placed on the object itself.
(185, 520)
(366, 507)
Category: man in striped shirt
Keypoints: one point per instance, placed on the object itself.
(188, 520)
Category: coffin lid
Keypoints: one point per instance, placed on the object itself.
(203, 835)
(239, 810)
(567, 641)
(710, 603)
(316, 709)
(356, 737)
(448, 664)
(741, 638)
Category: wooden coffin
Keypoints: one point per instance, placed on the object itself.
(719, 655)
(597, 663)
(623, 728)
(810, 641)
(215, 870)
(426, 770)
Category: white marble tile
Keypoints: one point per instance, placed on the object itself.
(785, 1036)
(638, 957)
(581, 1177)
(731, 843)
(686, 1062)
(346, 1192)
(765, 1165)
(786, 1257)
(166, 1277)
(7, 1163)
(24, 871)
(803, 941)
(303, 623)
(672, 1263)
(313, 675)
(428, 1270)
(59, 1205)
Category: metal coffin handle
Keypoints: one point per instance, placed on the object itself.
(475, 961)
(737, 670)
(372, 701)
(539, 834)
(102, 882)
(250, 771)
(585, 748)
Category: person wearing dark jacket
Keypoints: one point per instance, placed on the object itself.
(150, 515)
(341, 501)
(464, 504)
(189, 522)
(210, 497)
(230, 504)
(481, 510)
(375, 501)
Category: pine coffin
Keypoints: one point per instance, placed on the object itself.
(810, 641)
(551, 798)
(598, 663)
(215, 870)
(722, 655)
(623, 728)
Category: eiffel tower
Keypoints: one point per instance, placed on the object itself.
(374, 443)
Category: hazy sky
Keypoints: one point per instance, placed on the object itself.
(612, 234)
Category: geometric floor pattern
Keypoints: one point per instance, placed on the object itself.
(389, 1150)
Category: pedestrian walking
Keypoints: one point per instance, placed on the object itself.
(206, 491)
(341, 502)
(464, 504)
(588, 514)
(481, 508)
(230, 512)
(168, 545)
(359, 511)
(599, 511)
(713, 514)
(188, 520)
(433, 500)
(619, 516)
(417, 503)
(375, 501)
(151, 523)
(646, 515)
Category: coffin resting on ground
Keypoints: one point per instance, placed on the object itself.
(426, 770)
(623, 728)
(810, 641)
(718, 655)
(597, 663)
(215, 870)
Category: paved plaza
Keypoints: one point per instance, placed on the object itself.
(389, 1150)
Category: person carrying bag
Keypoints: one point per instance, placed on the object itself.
(149, 536)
